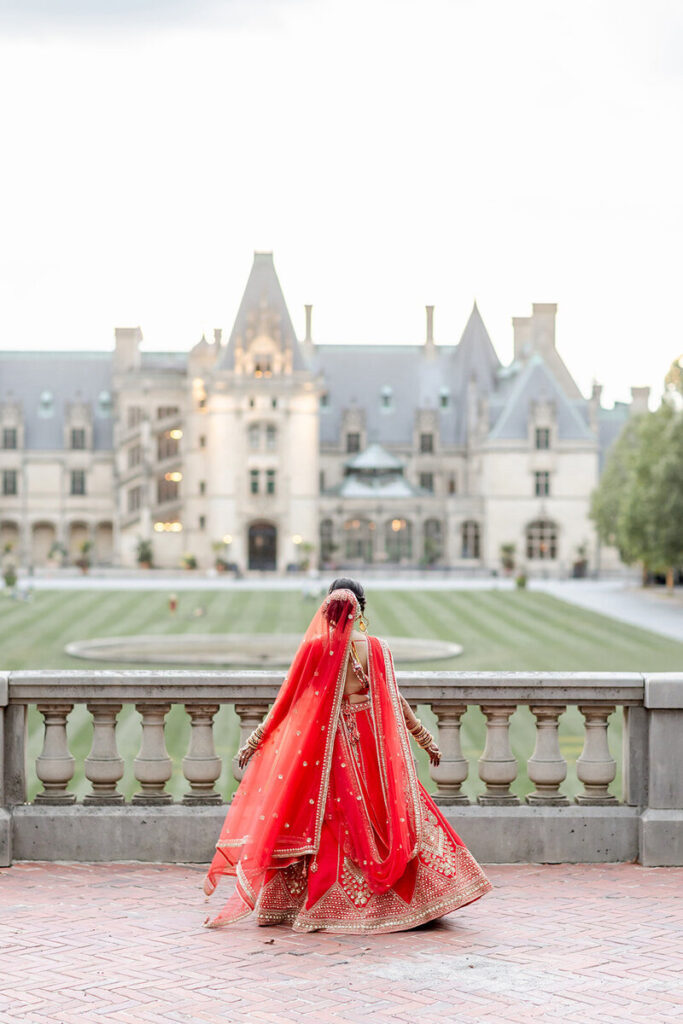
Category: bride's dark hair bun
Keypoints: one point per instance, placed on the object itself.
(344, 583)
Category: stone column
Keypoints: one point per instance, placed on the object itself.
(103, 766)
(152, 766)
(201, 765)
(546, 767)
(55, 765)
(661, 825)
(453, 770)
(497, 766)
(250, 715)
(596, 767)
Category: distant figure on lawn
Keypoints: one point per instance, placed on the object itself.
(330, 829)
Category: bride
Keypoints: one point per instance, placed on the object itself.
(330, 829)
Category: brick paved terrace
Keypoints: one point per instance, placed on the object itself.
(124, 943)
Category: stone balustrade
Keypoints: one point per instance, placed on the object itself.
(646, 824)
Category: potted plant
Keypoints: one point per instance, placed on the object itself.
(144, 554)
(83, 561)
(219, 548)
(305, 552)
(56, 554)
(520, 580)
(189, 562)
(507, 558)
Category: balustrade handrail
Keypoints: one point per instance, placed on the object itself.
(223, 686)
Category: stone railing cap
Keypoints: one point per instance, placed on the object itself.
(664, 690)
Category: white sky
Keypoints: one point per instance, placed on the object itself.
(391, 154)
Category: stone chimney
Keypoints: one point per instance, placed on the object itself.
(639, 400)
(309, 316)
(594, 406)
(543, 325)
(521, 327)
(429, 337)
(127, 349)
(217, 336)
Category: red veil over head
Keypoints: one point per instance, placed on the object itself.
(276, 814)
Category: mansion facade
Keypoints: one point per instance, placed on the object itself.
(266, 451)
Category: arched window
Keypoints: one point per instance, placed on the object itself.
(327, 545)
(470, 539)
(398, 540)
(541, 539)
(358, 538)
(433, 541)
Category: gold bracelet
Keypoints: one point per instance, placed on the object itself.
(255, 738)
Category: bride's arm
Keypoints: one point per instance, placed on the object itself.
(421, 735)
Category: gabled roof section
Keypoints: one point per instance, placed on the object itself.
(375, 457)
(476, 357)
(262, 295)
(535, 382)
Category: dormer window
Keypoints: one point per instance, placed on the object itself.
(444, 398)
(78, 438)
(325, 400)
(104, 403)
(46, 407)
(386, 397)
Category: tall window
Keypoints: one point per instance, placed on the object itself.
(202, 487)
(541, 539)
(325, 400)
(444, 398)
(542, 437)
(270, 481)
(202, 522)
(542, 484)
(358, 538)
(398, 539)
(133, 415)
(9, 437)
(77, 481)
(321, 480)
(167, 446)
(134, 499)
(167, 490)
(271, 437)
(353, 442)
(253, 481)
(426, 443)
(433, 540)
(202, 440)
(427, 481)
(469, 539)
(263, 366)
(254, 436)
(78, 438)
(9, 481)
(452, 484)
(386, 397)
(134, 456)
(166, 410)
(327, 545)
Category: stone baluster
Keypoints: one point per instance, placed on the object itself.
(201, 764)
(55, 765)
(103, 766)
(546, 767)
(250, 715)
(450, 774)
(497, 766)
(152, 766)
(596, 767)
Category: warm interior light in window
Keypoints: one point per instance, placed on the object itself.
(159, 527)
(227, 539)
(175, 434)
(297, 538)
(175, 477)
(175, 527)
(397, 524)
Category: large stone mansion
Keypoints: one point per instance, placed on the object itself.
(266, 451)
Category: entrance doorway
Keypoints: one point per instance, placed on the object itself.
(262, 545)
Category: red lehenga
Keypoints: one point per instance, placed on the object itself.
(330, 829)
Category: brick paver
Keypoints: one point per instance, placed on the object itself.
(124, 943)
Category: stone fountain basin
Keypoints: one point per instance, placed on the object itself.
(241, 649)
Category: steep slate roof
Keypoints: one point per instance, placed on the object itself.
(262, 291)
(475, 355)
(533, 382)
(610, 424)
(70, 377)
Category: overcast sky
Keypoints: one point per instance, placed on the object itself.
(391, 154)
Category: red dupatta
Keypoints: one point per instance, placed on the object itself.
(277, 811)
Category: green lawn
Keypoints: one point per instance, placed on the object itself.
(506, 630)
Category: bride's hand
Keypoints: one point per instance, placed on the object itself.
(434, 753)
(243, 755)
